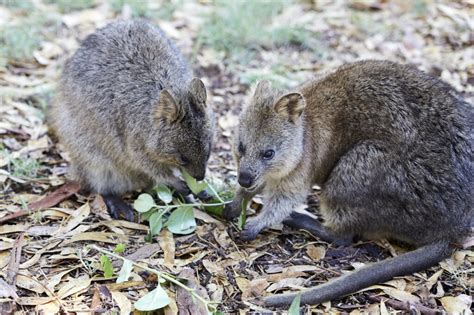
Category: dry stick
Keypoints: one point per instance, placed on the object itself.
(163, 275)
(15, 215)
(399, 305)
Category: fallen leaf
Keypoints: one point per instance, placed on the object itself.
(315, 252)
(63, 193)
(77, 217)
(123, 302)
(187, 304)
(167, 244)
(74, 286)
(460, 304)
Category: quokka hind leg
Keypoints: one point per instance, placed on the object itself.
(118, 208)
(305, 222)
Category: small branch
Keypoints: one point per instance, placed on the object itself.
(163, 275)
(194, 205)
(399, 305)
(214, 191)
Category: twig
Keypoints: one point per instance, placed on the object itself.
(15, 215)
(163, 275)
(405, 306)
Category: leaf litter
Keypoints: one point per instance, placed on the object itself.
(54, 268)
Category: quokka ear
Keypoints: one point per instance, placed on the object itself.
(198, 92)
(167, 108)
(263, 87)
(290, 106)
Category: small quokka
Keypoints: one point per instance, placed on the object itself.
(129, 113)
(391, 149)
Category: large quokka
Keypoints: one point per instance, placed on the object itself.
(128, 112)
(391, 149)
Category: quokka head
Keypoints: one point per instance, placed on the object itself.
(269, 142)
(184, 126)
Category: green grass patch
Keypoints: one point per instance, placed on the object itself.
(140, 8)
(238, 27)
(66, 6)
(17, 4)
(17, 42)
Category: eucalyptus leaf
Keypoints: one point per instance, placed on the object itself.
(156, 223)
(295, 306)
(119, 248)
(144, 203)
(107, 267)
(195, 186)
(181, 220)
(125, 271)
(156, 299)
(164, 193)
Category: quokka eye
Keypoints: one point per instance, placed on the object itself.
(183, 161)
(268, 154)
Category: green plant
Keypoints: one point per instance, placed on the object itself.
(65, 6)
(18, 42)
(138, 7)
(238, 27)
(17, 4)
(23, 167)
(157, 298)
(177, 217)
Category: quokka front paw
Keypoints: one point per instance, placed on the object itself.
(251, 230)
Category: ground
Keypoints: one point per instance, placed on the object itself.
(46, 246)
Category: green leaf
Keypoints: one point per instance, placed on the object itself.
(156, 223)
(181, 220)
(219, 209)
(164, 193)
(195, 186)
(125, 271)
(119, 248)
(106, 265)
(144, 203)
(158, 298)
(295, 306)
(243, 215)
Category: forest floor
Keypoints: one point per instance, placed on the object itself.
(46, 236)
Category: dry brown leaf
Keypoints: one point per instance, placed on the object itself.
(283, 275)
(315, 252)
(244, 285)
(213, 267)
(111, 238)
(33, 301)
(296, 283)
(54, 280)
(395, 293)
(187, 305)
(52, 307)
(29, 283)
(14, 228)
(74, 285)
(123, 302)
(7, 290)
(77, 217)
(460, 304)
(55, 197)
(14, 262)
(166, 241)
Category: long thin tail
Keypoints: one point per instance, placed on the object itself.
(411, 262)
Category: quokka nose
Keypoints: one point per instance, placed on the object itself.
(245, 179)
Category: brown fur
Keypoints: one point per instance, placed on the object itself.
(392, 149)
(128, 111)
